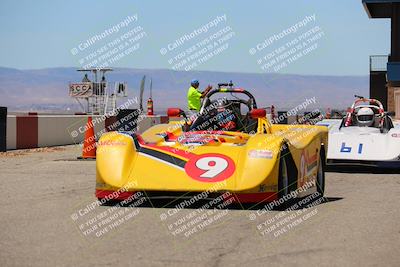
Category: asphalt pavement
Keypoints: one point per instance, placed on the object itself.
(49, 217)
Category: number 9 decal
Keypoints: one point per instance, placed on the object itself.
(210, 167)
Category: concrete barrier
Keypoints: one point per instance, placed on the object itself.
(63, 130)
(36, 130)
(11, 135)
(31, 131)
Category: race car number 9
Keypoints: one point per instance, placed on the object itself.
(210, 167)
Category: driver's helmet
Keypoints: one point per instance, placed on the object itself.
(365, 117)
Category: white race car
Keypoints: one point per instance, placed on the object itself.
(367, 136)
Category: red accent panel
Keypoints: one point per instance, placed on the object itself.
(348, 119)
(171, 136)
(109, 194)
(174, 112)
(258, 113)
(108, 123)
(27, 132)
(140, 140)
(255, 197)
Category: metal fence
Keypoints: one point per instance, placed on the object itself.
(378, 62)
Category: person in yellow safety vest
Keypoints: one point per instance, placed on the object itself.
(194, 96)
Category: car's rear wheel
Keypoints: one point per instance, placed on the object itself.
(320, 183)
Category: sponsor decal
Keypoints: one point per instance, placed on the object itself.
(311, 161)
(111, 143)
(259, 153)
(307, 165)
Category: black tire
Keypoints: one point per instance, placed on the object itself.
(287, 179)
(320, 181)
(283, 178)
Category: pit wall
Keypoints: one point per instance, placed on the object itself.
(32, 131)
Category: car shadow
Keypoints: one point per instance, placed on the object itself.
(296, 204)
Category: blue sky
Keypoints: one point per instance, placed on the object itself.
(41, 34)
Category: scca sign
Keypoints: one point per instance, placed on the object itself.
(81, 89)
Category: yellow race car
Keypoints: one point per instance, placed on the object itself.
(230, 146)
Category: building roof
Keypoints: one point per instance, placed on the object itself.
(377, 9)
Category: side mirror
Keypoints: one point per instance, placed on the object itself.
(258, 113)
(175, 112)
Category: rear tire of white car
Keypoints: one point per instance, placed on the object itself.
(320, 181)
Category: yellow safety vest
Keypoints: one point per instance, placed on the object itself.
(193, 97)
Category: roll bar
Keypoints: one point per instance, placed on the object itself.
(229, 90)
(356, 103)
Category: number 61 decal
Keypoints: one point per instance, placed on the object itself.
(347, 149)
(210, 167)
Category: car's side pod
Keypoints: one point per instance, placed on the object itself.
(116, 152)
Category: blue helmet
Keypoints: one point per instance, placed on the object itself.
(194, 82)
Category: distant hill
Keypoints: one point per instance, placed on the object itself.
(48, 88)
